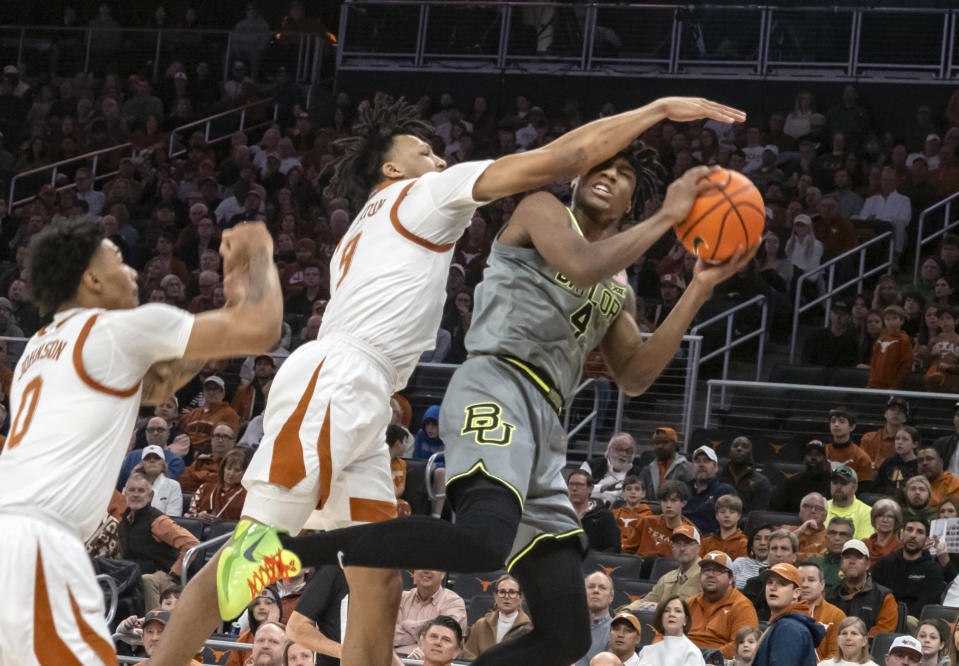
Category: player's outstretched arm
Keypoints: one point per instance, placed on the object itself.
(635, 365)
(577, 151)
(252, 319)
(541, 221)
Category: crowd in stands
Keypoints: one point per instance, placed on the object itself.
(832, 176)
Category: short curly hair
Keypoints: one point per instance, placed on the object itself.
(59, 255)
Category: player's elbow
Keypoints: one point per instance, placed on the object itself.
(299, 629)
(636, 384)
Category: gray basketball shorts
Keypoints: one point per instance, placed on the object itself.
(494, 422)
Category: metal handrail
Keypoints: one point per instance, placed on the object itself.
(946, 226)
(831, 288)
(592, 418)
(94, 155)
(206, 122)
(114, 595)
(200, 547)
(404, 660)
(428, 477)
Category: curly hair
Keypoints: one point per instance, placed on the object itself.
(59, 255)
(357, 171)
(650, 173)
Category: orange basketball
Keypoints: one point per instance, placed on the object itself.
(721, 220)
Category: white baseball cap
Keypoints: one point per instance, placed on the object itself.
(907, 643)
(155, 450)
(707, 451)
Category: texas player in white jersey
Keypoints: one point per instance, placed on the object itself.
(324, 424)
(74, 400)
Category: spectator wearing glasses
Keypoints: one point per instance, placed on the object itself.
(812, 528)
(839, 531)
(506, 622)
(199, 422)
(206, 467)
(886, 519)
(156, 433)
(598, 521)
(609, 471)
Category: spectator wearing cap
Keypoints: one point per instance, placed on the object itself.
(252, 209)
(843, 450)
(198, 423)
(948, 445)
(206, 466)
(611, 470)
(858, 594)
(153, 625)
(889, 206)
(314, 289)
(904, 651)
(838, 532)
(812, 588)
(942, 483)
(783, 548)
(652, 535)
(717, 613)
(752, 487)
(913, 575)
(671, 287)
(881, 444)
(167, 496)
(793, 635)
(843, 484)
(672, 620)
(930, 152)
(625, 634)
(669, 465)
(597, 520)
(684, 579)
(813, 479)
(803, 248)
(9, 328)
(892, 353)
(250, 399)
(835, 345)
(705, 488)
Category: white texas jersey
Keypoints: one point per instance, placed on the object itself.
(388, 274)
(73, 406)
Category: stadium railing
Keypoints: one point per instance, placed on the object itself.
(222, 121)
(905, 44)
(936, 226)
(861, 252)
(112, 593)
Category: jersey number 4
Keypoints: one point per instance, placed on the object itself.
(24, 417)
(347, 257)
(580, 319)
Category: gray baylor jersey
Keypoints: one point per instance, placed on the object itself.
(526, 309)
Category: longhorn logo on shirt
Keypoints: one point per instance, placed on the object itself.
(885, 345)
(484, 421)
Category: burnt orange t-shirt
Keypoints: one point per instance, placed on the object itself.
(853, 456)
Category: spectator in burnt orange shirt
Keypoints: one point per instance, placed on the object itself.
(654, 533)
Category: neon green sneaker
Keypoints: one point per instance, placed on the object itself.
(253, 559)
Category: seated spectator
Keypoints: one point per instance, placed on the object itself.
(913, 575)
(426, 444)
(783, 548)
(852, 644)
(813, 479)
(222, 500)
(250, 399)
(845, 504)
(752, 487)
(632, 510)
(886, 519)
(198, 423)
(427, 600)
(812, 528)
(843, 450)
(669, 463)
(757, 553)
(206, 467)
(835, 345)
(838, 532)
(793, 635)
(672, 622)
(717, 613)
(747, 639)
(610, 470)
(812, 588)
(206, 282)
(881, 446)
(440, 641)
(154, 622)
(130, 630)
(653, 534)
(802, 248)
(167, 496)
(684, 579)
(156, 433)
(599, 596)
(303, 302)
(837, 233)
(152, 540)
(904, 651)
(889, 206)
(942, 483)
(506, 622)
(264, 608)
(948, 445)
(269, 642)
(295, 654)
(396, 439)
(918, 499)
(704, 489)
(942, 372)
(934, 635)
(857, 594)
(729, 539)
(598, 521)
(891, 357)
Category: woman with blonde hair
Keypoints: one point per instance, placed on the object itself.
(853, 645)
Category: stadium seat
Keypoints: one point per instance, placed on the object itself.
(756, 518)
(870, 498)
(469, 585)
(784, 373)
(187, 498)
(218, 528)
(852, 377)
(654, 507)
(478, 606)
(193, 525)
(631, 590)
(415, 493)
(880, 645)
(617, 567)
(662, 566)
(778, 472)
(407, 576)
(646, 620)
(946, 613)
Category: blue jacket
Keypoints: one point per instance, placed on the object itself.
(424, 446)
(701, 507)
(790, 640)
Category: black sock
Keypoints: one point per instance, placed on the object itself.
(487, 516)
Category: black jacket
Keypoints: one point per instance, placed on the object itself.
(753, 489)
(140, 546)
(865, 605)
(916, 583)
(601, 530)
(947, 447)
(788, 497)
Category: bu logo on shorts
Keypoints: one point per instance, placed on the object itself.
(483, 419)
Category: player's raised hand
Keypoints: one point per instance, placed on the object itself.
(709, 275)
(685, 109)
(683, 192)
(237, 246)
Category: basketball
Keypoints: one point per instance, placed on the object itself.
(723, 219)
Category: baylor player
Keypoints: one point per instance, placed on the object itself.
(554, 289)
